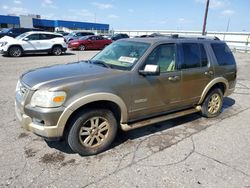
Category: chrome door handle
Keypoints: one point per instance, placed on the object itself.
(173, 78)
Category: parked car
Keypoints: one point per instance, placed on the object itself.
(119, 36)
(63, 33)
(129, 84)
(33, 42)
(89, 43)
(76, 35)
(14, 32)
(151, 35)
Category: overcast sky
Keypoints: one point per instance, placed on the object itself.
(139, 14)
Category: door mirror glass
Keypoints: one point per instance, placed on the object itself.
(152, 70)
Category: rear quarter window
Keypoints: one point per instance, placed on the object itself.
(223, 54)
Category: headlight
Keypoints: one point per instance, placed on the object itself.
(47, 99)
(3, 43)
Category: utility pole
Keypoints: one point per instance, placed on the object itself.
(205, 19)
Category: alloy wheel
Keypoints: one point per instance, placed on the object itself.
(94, 132)
(16, 52)
(57, 51)
(214, 103)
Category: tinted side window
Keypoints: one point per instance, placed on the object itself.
(92, 38)
(223, 54)
(191, 55)
(204, 60)
(44, 37)
(194, 55)
(99, 38)
(33, 37)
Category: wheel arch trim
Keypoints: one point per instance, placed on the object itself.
(15, 45)
(69, 110)
(211, 84)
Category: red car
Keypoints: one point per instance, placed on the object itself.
(89, 43)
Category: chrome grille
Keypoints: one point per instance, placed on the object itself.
(21, 92)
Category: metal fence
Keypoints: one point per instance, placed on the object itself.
(236, 40)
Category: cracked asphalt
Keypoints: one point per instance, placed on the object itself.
(190, 151)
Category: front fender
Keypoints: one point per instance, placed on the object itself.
(86, 100)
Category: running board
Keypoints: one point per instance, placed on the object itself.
(128, 127)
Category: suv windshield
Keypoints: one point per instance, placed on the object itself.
(122, 55)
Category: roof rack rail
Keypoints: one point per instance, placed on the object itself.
(193, 37)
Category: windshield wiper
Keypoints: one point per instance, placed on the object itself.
(99, 62)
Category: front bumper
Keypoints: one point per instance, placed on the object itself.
(3, 51)
(42, 122)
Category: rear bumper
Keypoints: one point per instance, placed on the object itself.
(64, 49)
(229, 92)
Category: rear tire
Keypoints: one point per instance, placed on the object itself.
(92, 131)
(212, 105)
(15, 51)
(57, 50)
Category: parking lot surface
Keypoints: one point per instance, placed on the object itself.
(191, 151)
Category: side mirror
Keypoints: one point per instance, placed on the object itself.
(25, 39)
(150, 70)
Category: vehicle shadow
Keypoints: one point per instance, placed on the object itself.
(144, 131)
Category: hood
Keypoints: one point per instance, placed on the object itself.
(7, 38)
(72, 71)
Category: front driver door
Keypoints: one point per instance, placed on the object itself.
(155, 95)
(31, 42)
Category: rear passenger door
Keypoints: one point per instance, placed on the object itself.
(196, 72)
(46, 41)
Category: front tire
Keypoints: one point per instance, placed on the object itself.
(15, 51)
(212, 104)
(82, 47)
(57, 50)
(92, 131)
